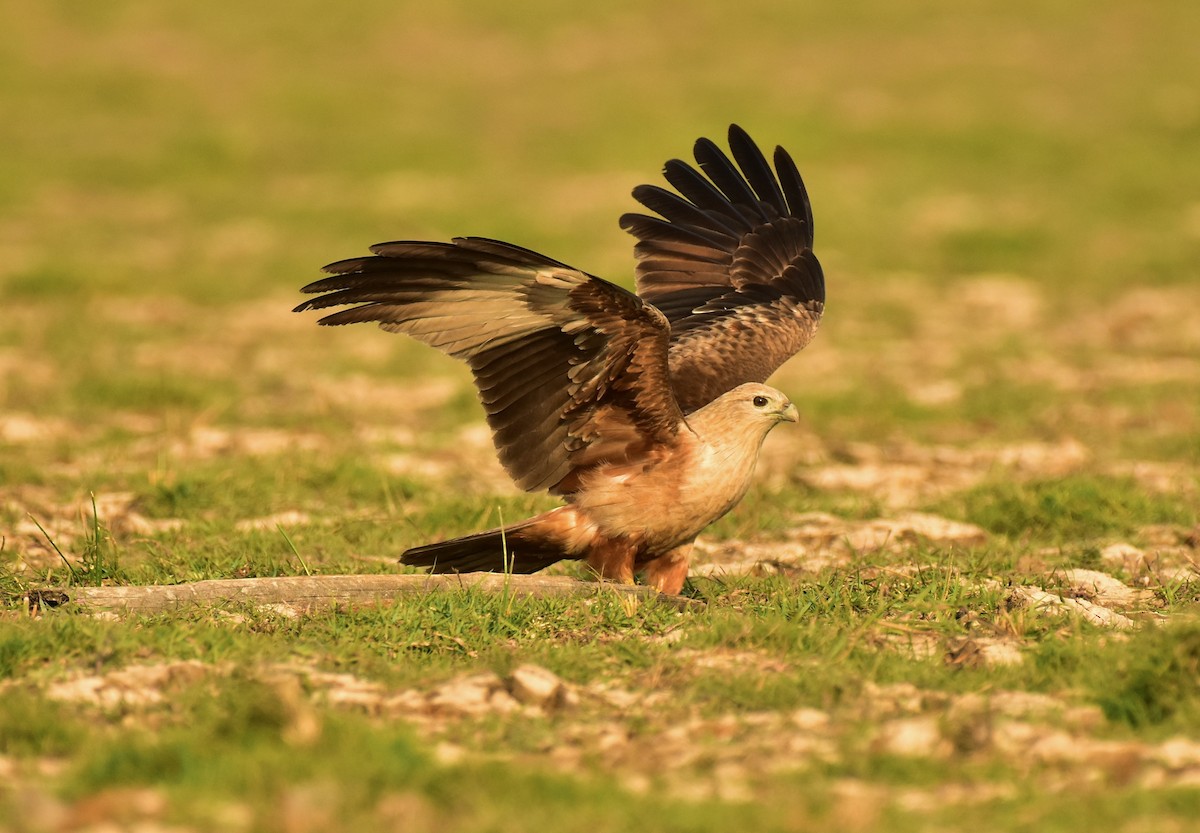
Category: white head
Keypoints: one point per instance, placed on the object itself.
(763, 401)
(751, 404)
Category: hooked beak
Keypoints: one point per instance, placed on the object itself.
(789, 414)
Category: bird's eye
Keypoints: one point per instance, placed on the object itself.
(760, 401)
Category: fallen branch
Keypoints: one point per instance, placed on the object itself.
(308, 592)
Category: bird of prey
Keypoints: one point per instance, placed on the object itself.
(645, 412)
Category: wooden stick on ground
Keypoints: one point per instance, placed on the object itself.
(308, 592)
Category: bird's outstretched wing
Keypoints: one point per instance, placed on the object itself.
(730, 264)
(572, 370)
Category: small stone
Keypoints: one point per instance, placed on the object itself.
(280, 609)
(533, 685)
(912, 737)
(1178, 754)
(448, 754)
(469, 695)
(1123, 556)
(618, 698)
(51, 767)
(611, 736)
(568, 697)
(1024, 704)
(1103, 588)
(1014, 737)
(636, 783)
(1058, 747)
(403, 703)
(810, 720)
(1063, 748)
(138, 524)
(999, 652)
(1153, 778)
(1189, 779)
(1037, 598)
(503, 703)
(893, 699)
(368, 699)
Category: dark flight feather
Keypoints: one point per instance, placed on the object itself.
(729, 262)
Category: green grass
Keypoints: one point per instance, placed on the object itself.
(1006, 208)
(238, 734)
(1073, 508)
(1157, 675)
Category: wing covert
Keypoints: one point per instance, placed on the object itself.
(571, 369)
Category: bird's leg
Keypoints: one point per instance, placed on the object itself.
(669, 570)
(612, 559)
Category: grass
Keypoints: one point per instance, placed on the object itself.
(239, 734)
(1006, 209)
(1071, 508)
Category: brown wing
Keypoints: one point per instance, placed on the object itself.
(570, 368)
(730, 264)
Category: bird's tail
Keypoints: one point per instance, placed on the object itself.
(525, 547)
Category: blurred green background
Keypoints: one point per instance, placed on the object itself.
(1007, 197)
(221, 152)
(1007, 194)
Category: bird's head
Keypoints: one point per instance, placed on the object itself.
(761, 402)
